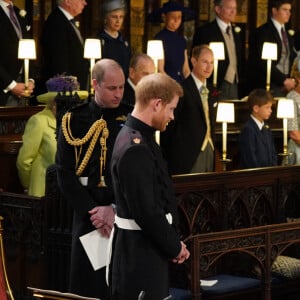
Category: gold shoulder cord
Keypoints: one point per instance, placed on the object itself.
(93, 135)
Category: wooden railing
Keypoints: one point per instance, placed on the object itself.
(38, 231)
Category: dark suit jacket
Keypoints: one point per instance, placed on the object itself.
(256, 147)
(211, 32)
(62, 50)
(183, 139)
(258, 67)
(10, 65)
(129, 95)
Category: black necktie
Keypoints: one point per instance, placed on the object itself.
(228, 30)
(13, 18)
(284, 38)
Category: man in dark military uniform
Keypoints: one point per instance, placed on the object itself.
(84, 150)
(145, 236)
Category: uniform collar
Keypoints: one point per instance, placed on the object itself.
(142, 127)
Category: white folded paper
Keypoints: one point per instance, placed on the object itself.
(208, 282)
(95, 246)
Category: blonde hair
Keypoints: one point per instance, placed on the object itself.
(157, 86)
(295, 71)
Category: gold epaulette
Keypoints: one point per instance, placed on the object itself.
(93, 135)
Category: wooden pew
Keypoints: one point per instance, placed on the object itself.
(39, 230)
(263, 243)
(12, 124)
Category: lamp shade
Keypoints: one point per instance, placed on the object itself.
(155, 49)
(92, 48)
(269, 51)
(26, 49)
(218, 50)
(225, 112)
(285, 108)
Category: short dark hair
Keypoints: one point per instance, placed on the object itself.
(259, 97)
(277, 3)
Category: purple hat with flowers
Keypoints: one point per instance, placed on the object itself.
(61, 83)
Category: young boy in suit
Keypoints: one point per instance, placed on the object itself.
(256, 144)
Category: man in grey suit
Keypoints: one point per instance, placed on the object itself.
(13, 26)
(62, 43)
(222, 30)
(188, 142)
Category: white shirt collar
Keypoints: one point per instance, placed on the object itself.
(198, 82)
(4, 5)
(277, 25)
(222, 24)
(67, 14)
(131, 83)
(258, 123)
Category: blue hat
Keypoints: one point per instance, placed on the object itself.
(187, 13)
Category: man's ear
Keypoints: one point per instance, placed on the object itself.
(157, 104)
(255, 108)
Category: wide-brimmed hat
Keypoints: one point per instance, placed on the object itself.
(45, 98)
(61, 84)
(156, 16)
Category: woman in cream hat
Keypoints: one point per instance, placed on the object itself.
(113, 44)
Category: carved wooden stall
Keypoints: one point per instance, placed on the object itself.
(38, 231)
(12, 124)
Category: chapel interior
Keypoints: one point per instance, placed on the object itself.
(236, 222)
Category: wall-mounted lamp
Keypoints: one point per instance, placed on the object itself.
(219, 54)
(269, 53)
(155, 50)
(285, 110)
(92, 51)
(225, 114)
(26, 51)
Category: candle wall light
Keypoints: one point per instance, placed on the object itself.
(92, 51)
(219, 54)
(285, 110)
(225, 114)
(26, 51)
(155, 50)
(269, 53)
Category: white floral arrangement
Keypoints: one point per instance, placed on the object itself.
(237, 29)
(291, 32)
(22, 13)
(77, 24)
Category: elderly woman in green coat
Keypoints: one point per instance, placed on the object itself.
(38, 150)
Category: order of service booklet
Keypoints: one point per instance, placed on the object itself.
(95, 246)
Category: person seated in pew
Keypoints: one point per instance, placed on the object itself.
(256, 144)
(141, 65)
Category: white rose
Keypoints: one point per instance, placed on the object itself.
(22, 13)
(77, 24)
(291, 32)
(237, 29)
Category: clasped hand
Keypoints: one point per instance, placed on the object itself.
(183, 255)
(103, 218)
(20, 89)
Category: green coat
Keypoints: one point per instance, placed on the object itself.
(37, 152)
